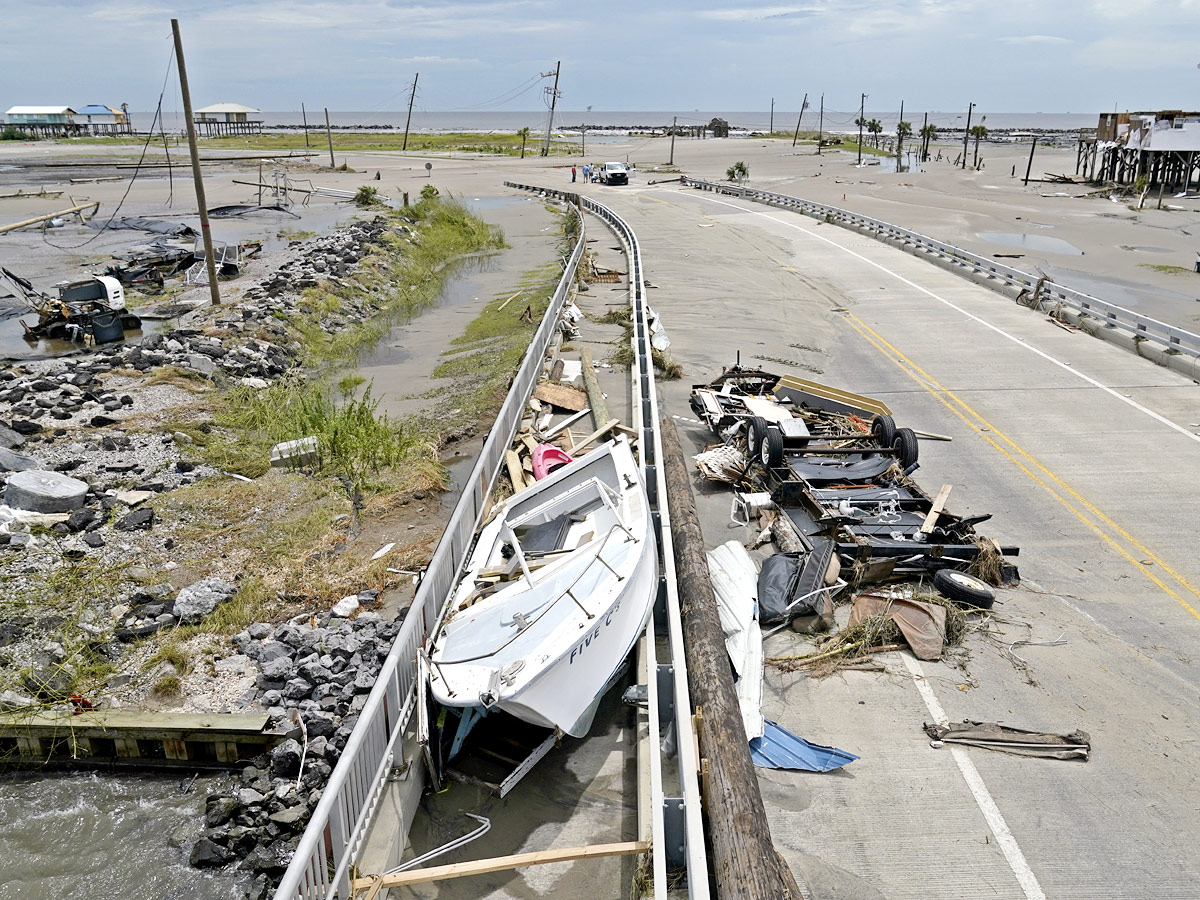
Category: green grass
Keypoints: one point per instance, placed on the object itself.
(399, 278)
(1169, 270)
(350, 141)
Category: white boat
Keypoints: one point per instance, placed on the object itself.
(554, 595)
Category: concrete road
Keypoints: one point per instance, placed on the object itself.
(1087, 457)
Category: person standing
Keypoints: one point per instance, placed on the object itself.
(585, 173)
(572, 174)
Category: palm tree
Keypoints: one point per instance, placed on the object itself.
(979, 132)
(928, 133)
(738, 172)
(523, 134)
(876, 129)
(903, 130)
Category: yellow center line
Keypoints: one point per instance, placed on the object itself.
(986, 430)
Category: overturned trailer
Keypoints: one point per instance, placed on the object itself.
(838, 468)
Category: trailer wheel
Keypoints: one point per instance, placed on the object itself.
(883, 429)
(771, 448)
(965, 590)
(905, 445)
(755, 433)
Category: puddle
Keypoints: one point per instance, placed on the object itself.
(910, 163)
(1148, 249)
(14, 347)
(477, 204)
(1038, 242)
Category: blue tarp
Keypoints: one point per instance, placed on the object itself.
(778, 748)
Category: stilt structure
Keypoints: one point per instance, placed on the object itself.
(1164, 146)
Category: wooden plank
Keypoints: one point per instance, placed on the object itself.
(599, 432)
(529, 442)
(936, 510)
(500, 864)
(560, 396)
(515, 475)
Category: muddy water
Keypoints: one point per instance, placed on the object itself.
(399, 369)
(90, 835)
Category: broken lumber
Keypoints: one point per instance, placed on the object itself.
(595, 397)
(515, 474)
(4, 229)
(599, 432)
(939, 503)
(499, 864)
(510, 300)
(560, 396)
(744, 861)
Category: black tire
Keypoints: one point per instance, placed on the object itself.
(770, 451)
(965, 590)
(755, 432)
(883, 429)
(906, 447)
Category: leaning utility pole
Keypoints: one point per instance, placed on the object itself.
(408, 121)
(329, 137)
(803, 107)
(821, 125)
(967, 134)
(925, 139)
(553, 101)
(210, 263)
(771, 127)
(674, 122)
(900, 137)
(862, 114)
(304, 116)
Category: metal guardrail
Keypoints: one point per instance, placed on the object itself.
(677, 827)
(319, 869)
(1138, 327)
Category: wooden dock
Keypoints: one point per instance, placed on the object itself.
(56, 737)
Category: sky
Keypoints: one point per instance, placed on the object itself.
(1080, 56)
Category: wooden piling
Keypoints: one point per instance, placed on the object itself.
(743, 858)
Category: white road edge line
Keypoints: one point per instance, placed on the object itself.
(983, 798)
(1000, 331)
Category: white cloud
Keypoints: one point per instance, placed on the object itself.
(760, 14)
(1035, 39)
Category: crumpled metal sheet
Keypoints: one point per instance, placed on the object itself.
(993, 736)
(778, 748)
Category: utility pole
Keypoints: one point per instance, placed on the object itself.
(408, 121)
(304, 116)
(925, 139)
(821, 125)
(900, 137)
(967, 134)
(771, 127)
(803, 107)
(553, 100)
(329, 137)
(1029, 165)
(674, 122)
(862, 114)
(210, 263)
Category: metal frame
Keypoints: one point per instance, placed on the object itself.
(341, 820)
(1170, 338)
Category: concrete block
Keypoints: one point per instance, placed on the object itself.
(301, 452)
(44, 491)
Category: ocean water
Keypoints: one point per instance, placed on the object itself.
(568, 119)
